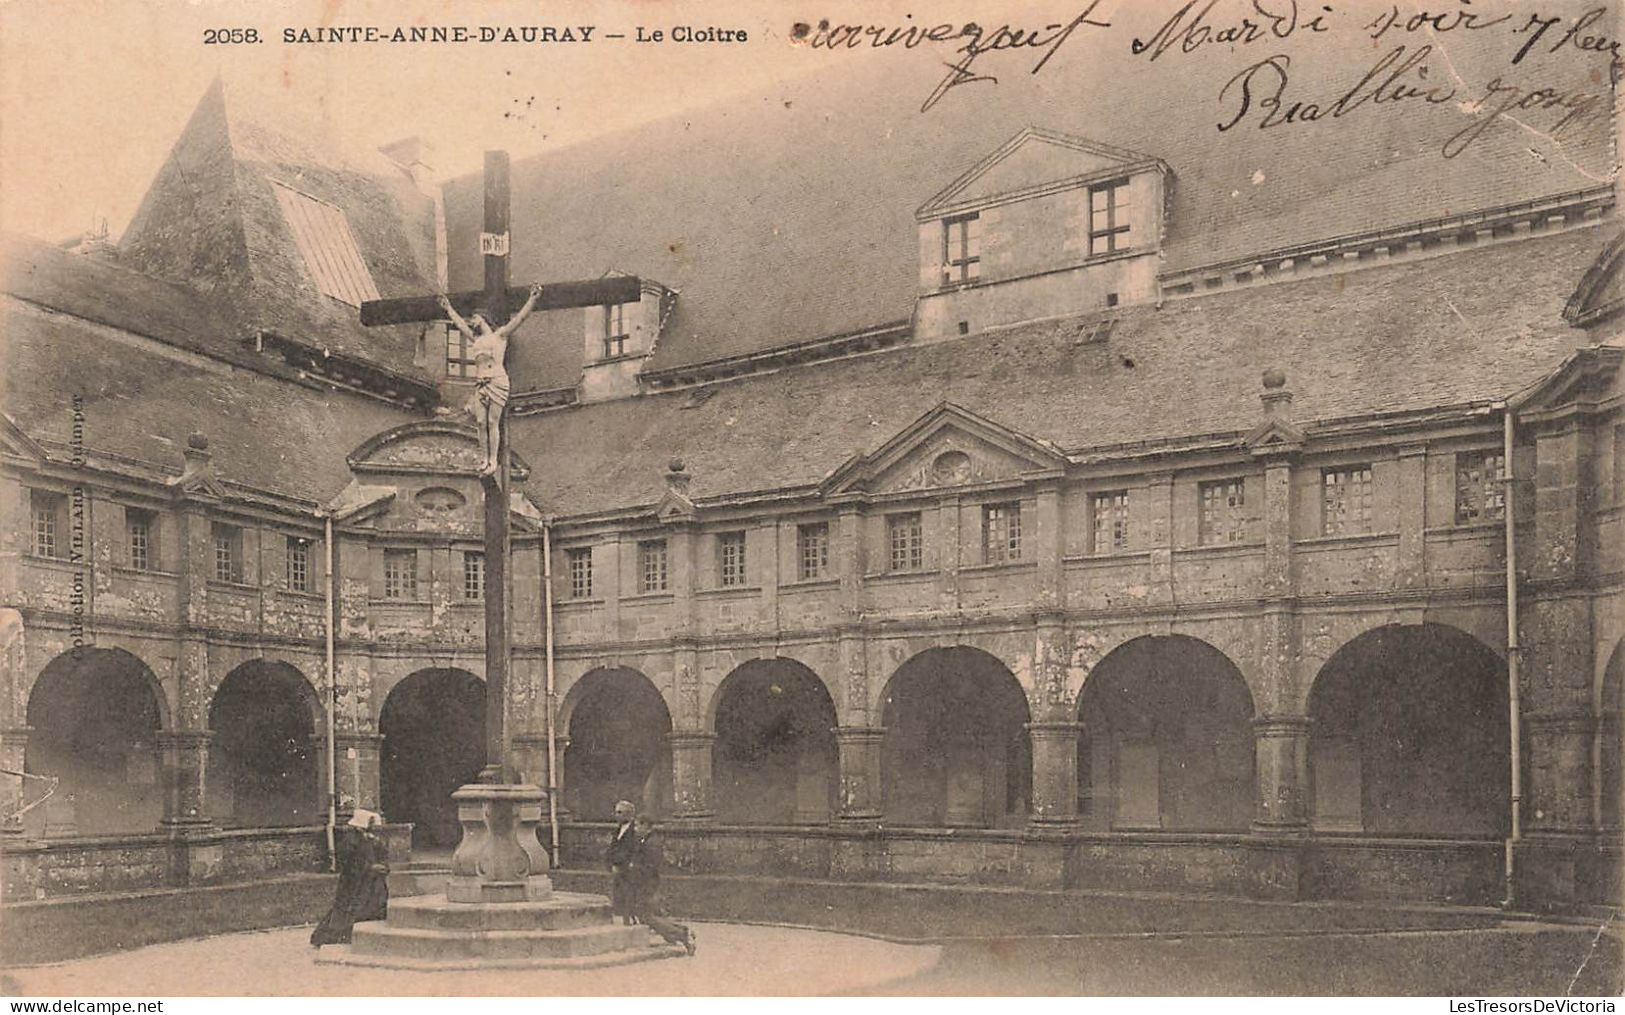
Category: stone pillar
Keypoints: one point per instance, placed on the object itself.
(1160, 536)
(1557, 793)
(358, 771)
(859, 797)
(849, 558)
(691, 775)
(13, 791)
(1049, 543)
(1055, 772)
(1282, 746)
(185, 773)
(1563, 489)
(948, 545)
(1411, 499)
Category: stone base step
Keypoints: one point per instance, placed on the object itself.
(346, 955)
(560, 911)
(416, 942)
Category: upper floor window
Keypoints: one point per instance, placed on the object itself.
(905, 535)
(1345, 500)
(138, 531)
(962, 248)
(298, 550)
(615, 334)
(228, 552)
(1108, 217)
(1480, 493)
(473, 574)
(1001, 532)
(731, 558)
(1108, 516)
(580, 561)
(459, 360)
(47, 510)
(812, 550)
(652, 565)
(401, 574)
(1223, 517)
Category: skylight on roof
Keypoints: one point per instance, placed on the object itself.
(329, 248)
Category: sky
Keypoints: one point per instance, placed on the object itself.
(93, 94)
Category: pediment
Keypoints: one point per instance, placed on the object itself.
(948, 447)
(675, 507)
(1032, 162)
(436, 447)
(1274, 437)
(17, 443)
(1601, 292)
(1585, 379)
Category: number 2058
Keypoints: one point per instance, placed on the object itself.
(229, 36)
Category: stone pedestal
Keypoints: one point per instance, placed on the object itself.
(1281, 744)
(499, 910)
(859, 797)
(1055, 772)
(691, 774)
(185, 756)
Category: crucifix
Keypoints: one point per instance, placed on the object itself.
(492, 326)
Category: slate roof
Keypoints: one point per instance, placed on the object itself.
(787, 214)
(210, 220)
(1471, 326)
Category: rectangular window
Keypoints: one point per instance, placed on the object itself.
(459, 360)
(1345, 501)
(138, 526)
(652, 565)
(962, 249)
(615, 335)
(1108, 217)
(228, 553)
(1480, 493)
(1108, 515)
(401, 574)
(298, 564)
(322, 234)
(812, 551)
(1001, 533)
(906, 537)
(580, 572)
(731, 558)
(473, 574)
(47, 510)
(1223, 512)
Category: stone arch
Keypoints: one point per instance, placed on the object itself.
(617, 722)
(774, 758)
(96, 715)
(1611, 738)
(1408, 735)
(956, 749)
(433, 726)
(265, 754)
(1167, 738)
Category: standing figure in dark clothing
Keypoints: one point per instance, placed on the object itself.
(362, 894)
(619, 858)
(647, 860)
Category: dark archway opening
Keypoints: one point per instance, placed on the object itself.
(956, 749)
(618, 749)
(1409, 735)
(264, 757)
(96, 715)
(433, 724)
(1167, 739)
(774, 759)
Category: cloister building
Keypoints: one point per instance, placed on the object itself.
(1024, 495)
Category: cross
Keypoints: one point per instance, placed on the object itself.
(494, 302)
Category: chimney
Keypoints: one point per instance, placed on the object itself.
(414, 157)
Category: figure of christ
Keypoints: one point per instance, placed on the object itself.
(489, 347)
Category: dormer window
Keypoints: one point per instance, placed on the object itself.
(962, 249)
(1108, 217)
(322, 233)
(615, 333)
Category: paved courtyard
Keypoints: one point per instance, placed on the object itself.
(731, 960)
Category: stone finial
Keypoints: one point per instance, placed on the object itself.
(197, 449)
(1276, 396)
(677, 477)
